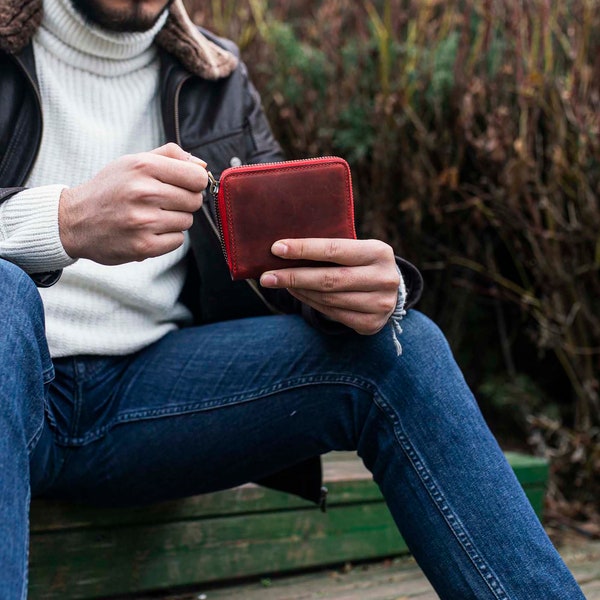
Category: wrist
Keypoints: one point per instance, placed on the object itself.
(66, 227)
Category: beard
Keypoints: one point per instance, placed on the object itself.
(134, 17)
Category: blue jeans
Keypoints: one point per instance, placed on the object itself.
(211, 407)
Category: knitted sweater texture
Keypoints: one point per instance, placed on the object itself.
(99, 94)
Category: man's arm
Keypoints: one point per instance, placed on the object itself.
(138, 206)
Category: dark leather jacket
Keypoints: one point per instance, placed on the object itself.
(220, 121)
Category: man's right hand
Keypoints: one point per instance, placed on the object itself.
(137, 207)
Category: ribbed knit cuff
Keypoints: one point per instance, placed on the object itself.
(29, 234)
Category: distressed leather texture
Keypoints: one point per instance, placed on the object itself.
(259, 205)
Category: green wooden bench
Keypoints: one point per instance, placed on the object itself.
(79, 552)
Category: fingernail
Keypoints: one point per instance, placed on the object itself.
(279, 248)
(197, 160)
(268, 280)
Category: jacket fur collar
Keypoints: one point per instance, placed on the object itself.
(19, 20)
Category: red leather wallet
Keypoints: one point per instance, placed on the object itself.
(257, 205)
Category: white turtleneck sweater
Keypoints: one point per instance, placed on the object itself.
(99, 94)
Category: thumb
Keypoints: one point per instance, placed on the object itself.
(172, 150)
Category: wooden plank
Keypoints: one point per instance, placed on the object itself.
(347, 479)
(128, 559)
(49, 516)
(397, 579)
(391, 579)
(79, 552)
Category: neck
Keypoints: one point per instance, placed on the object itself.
(66, 32)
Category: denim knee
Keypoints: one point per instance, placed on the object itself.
(421, 339)
(421, 332)
(18, 292)
(425, 370)
(23, 320)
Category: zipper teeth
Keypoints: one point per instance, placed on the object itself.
(215, 183)
(253, 285)
(220, 228)
(281, 162)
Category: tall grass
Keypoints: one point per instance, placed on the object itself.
(473, 131)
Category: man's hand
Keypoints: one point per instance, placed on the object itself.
(137, 207)
(360, 290)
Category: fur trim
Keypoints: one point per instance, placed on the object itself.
(181, 38)
(19, 20)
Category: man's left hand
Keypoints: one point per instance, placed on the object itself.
(359, 289)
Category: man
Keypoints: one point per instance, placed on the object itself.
(155, 376)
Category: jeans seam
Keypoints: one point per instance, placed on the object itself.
(79, 379)
(181, 409)
(27, 543)
(454, 524)
(36, 436)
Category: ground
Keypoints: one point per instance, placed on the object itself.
(391, 579)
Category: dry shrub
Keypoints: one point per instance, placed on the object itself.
(473, 131)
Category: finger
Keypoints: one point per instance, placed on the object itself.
(183, 174)
(157, 245)
(341, 251)
(363, 302)
(173, 165)
(173, 221)
(167, 197)
(172, 150)
(333, 279)
(171, 198)
(326, 279)
(362, 323)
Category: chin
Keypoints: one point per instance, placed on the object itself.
(122, 15)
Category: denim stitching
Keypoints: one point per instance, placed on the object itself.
(453, 522)
(26, 553)
(48, 374)
(36, 436)
(180, 409)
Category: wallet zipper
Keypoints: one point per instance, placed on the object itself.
(253, 285)
(214, 186)
(215, 183)
(214, 190)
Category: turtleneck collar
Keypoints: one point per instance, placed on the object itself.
(66, 33)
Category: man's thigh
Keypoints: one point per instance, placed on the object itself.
(211, 407)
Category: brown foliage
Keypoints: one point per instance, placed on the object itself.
(473, 131)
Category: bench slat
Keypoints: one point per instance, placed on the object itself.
(81, 552)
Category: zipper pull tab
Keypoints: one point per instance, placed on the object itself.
(214, 184)
(323, 498)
